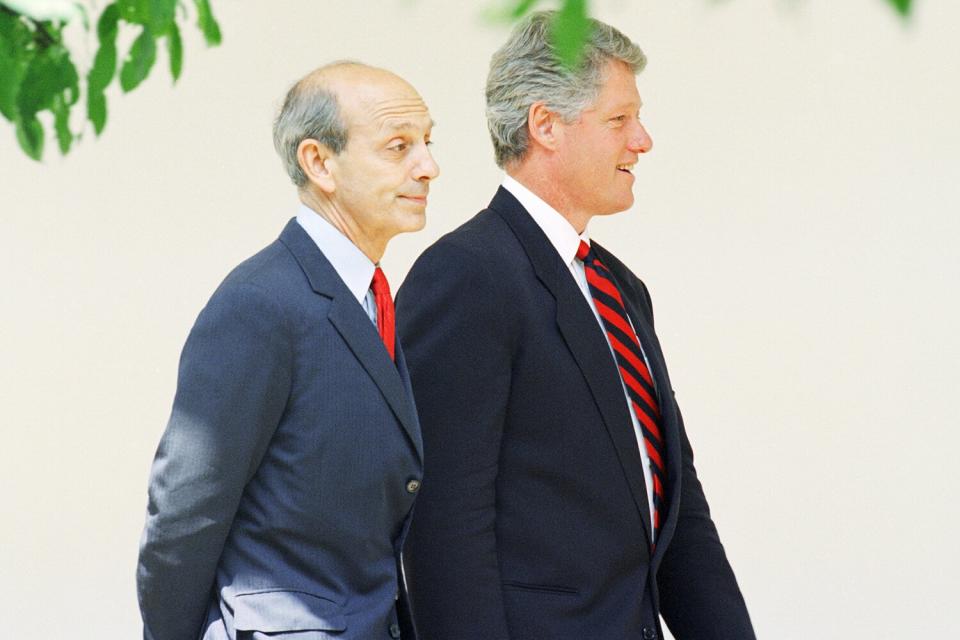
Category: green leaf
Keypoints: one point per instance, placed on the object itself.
(71, 79)
(51, 73)
(902, 7)
(105, 62)
(107, 24)
(143, 53)
(30, 137)
(15, 57)
(175, 49)
(11, 71)
(569, 32)
(208, 24)
(13, 28)
(522, 8)
(104, 67)
(162, 14)
(97, 111)
(61, 123)
(136, 11)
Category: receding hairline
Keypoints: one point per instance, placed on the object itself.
(336, 74)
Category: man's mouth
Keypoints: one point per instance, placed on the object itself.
(626, 167)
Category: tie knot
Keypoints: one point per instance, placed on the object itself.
(583, 251)
(380, 285)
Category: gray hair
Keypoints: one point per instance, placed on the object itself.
(310, 111)
(527, 69)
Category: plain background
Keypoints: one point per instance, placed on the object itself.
(796, 222)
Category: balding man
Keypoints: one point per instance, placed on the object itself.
(280, 493)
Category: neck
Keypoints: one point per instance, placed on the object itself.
(324, 207)
(548, 188)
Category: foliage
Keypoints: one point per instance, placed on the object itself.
(902, 6)
(571, 27)
(38, 72)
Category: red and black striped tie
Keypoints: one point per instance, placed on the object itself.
(633, 369)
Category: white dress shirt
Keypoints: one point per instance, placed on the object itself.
(351, 264)
(566, 241)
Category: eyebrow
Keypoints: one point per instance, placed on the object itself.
(626, 105)
(408, 124)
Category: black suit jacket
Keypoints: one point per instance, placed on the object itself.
(533, 520)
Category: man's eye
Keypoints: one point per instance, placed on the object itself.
(620, 119)
(399, 147)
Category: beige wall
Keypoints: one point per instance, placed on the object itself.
(797, 223)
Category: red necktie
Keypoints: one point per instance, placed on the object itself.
(633, 370)
(385, 322)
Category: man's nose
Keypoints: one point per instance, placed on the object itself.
(640, 140)
(427, 168)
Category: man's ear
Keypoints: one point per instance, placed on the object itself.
(542, 125)
(317, 163)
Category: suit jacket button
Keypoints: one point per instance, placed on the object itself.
(413, 485)
(649, 634)
(394, 631)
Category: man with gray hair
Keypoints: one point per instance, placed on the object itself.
(560, 497)
(281, 491)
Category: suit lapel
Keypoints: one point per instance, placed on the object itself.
(586, 342)
(401, 365)
(670, 421)
(352, 323)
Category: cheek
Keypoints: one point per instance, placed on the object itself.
(593, 168)
(390, 180)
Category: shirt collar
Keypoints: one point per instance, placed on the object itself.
(558, 230)
(353, 267)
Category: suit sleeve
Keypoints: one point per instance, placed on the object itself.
(455, 332)
(699, 595)
(233, 383)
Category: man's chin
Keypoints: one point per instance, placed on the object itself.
(615, 208)
(414, 222)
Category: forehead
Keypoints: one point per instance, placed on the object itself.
(384, 106)
(618, 89)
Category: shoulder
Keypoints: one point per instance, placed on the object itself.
(262, 288)
(482, 247)
(468, 275)
(482, 235)
(271, 268)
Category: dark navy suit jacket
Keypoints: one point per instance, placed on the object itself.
(280, 493)
(533, 522)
